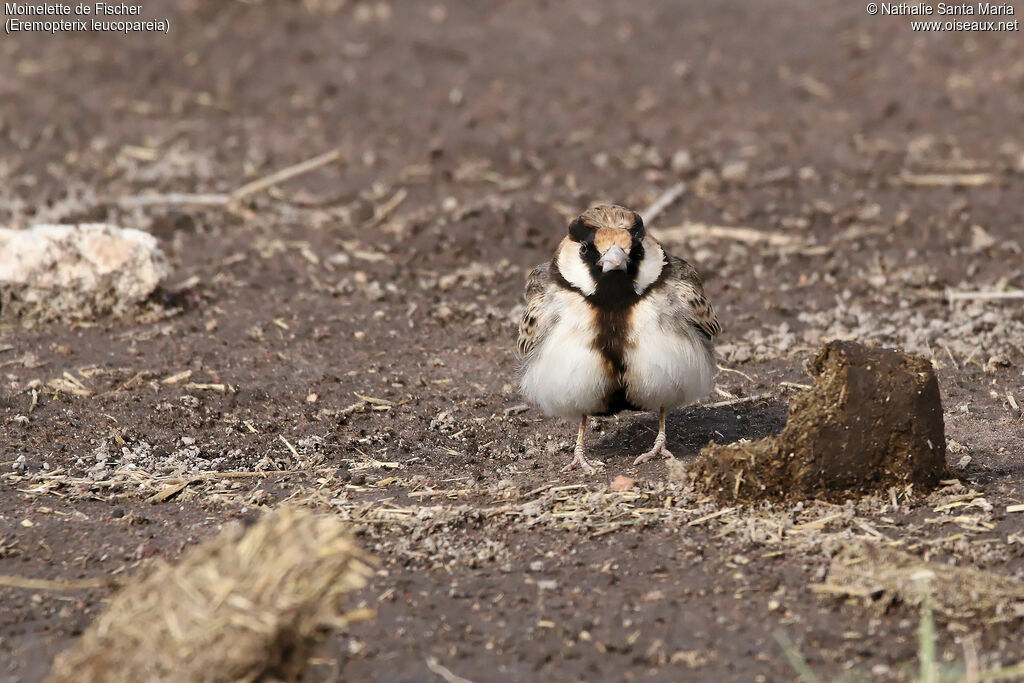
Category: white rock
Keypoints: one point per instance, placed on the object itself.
(77, 271)
(735, 171)
(682, 162)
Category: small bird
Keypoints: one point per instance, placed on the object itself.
(612, 323)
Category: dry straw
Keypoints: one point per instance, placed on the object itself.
(248, 605)
(876, 572)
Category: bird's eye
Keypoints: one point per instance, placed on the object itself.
(583, 249)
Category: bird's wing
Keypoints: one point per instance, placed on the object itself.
(535, 317)
(689, 292)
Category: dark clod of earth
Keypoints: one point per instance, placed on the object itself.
(873, 419)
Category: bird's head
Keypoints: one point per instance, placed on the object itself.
(605, 249)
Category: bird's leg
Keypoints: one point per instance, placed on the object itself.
(659, 443)
(580, 453)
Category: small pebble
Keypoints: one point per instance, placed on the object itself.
(622, 483)
(735, 171)
(682, 162)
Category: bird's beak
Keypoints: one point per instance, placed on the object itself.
(613, 259)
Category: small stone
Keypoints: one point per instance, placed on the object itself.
(980, 238)
(741, 354)
(682, 162)
(144, 550)
(77, 271)
(807, 173)
(707, 182)
(955, 447)
(622, 483)
(735, 171)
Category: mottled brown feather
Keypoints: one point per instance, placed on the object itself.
(687, 286)
(533, 317)
(609, 216)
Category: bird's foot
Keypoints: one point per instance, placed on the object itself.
(580, 459)
(659, 449)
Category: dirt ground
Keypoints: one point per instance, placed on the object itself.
(345, 339)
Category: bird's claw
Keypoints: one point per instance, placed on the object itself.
(588, 466)
(654, 453)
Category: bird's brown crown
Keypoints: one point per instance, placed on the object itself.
(610, 216)
(607, 224)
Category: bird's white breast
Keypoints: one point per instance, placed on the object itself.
(667, 365)
(564, 375)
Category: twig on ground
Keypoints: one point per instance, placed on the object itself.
(220, 199)
(444, 672)
(667, 199)
(55, 584)
(289, 445)
(705, 518)
(738, 372)
(945, 179)
(739, 234)
(287, 174)
(953, 296)
(143, 200)
(737, 401)
(383, 212)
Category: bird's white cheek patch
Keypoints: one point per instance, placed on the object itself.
(650, 266)
(565, 375)
(665, 367)
(572, 268)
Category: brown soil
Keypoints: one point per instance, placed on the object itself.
(345, 339)
(872, 420)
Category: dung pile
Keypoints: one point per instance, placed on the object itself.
(237, 608)
(872, 419)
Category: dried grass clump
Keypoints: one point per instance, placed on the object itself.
(885, 575)
(247, 605)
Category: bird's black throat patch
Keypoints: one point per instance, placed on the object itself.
(612, 303)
